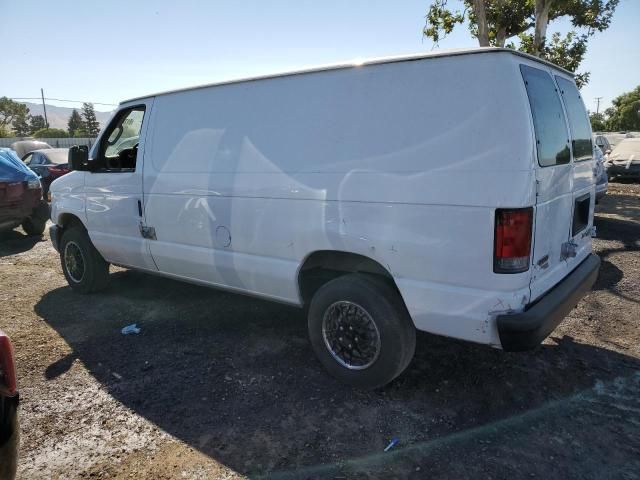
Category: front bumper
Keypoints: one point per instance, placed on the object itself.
(525, 330)
(54, 233)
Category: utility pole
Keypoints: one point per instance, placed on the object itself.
(46, 122)
(598, 105)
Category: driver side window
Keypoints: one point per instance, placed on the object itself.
(119, 146)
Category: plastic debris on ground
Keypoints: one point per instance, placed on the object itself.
(133, 328)
(392, 444)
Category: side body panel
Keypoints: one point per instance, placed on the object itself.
(242, 182)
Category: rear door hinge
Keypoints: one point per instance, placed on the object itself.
(568, 250)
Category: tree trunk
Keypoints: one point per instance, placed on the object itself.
(501, 37)
(542, 21)
(481, 20)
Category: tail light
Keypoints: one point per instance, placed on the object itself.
(58, 170)
(7, 368)
(512, 248)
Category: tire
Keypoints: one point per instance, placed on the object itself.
(352, 301)
(83, 266)
(36, 223)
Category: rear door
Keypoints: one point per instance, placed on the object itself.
(564, 186)
(584, 171)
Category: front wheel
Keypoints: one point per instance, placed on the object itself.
(361, 331)
(83, 266)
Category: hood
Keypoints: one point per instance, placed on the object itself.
(12, 169)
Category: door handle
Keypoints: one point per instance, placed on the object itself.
(139, 208)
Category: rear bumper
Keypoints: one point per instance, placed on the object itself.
(525, 330)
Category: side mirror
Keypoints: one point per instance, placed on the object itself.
(79, 158)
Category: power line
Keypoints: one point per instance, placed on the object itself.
(64, 100)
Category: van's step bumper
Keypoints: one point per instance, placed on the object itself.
(525, 330)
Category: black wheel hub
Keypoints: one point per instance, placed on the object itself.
(351, 335)
(74, 261)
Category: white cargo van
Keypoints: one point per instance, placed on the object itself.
(450, 192)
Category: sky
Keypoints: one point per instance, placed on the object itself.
(110, 51)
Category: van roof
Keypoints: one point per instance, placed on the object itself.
(360, 63)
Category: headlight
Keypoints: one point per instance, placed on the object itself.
(33, 184)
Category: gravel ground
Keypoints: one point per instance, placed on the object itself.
(223, 386)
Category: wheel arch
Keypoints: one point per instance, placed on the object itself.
(322, 266)
(66, 220)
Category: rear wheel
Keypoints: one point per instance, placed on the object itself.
(83, 266)
(36, 223)
(360, 331)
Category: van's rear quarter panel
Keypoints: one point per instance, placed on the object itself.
(404, 163)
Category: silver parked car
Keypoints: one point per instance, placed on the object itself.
(23, 147)
(603, 142)
(624, 160)
(602, 179)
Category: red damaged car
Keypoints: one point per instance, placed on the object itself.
(21, 200)
(9, 429)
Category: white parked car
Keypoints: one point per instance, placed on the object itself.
(383, 196)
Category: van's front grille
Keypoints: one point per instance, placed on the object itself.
(581, 214)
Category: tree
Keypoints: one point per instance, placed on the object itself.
(9, 111)
(597, 122)
(50, 133)
(625, 112)
(90, 122)
(21, 122)
(525, 22)
(75, 124)
(36, 123)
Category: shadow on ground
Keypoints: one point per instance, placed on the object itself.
(13, 242)
(235, 377)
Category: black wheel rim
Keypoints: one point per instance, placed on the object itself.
(351, 335)
(74, 261)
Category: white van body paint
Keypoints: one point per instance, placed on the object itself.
(401, 160)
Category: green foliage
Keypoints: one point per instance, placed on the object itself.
(5, 132)
(440, 21)
(597, 122)
(75, 124)
(90, 122)
(36, 123)
(21, 122)
(50, 133)
(518, 20)
(566, 52)
(9, 111)
(625, 112)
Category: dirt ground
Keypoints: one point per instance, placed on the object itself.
(218, 385)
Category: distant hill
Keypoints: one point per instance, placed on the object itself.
(59, 116)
